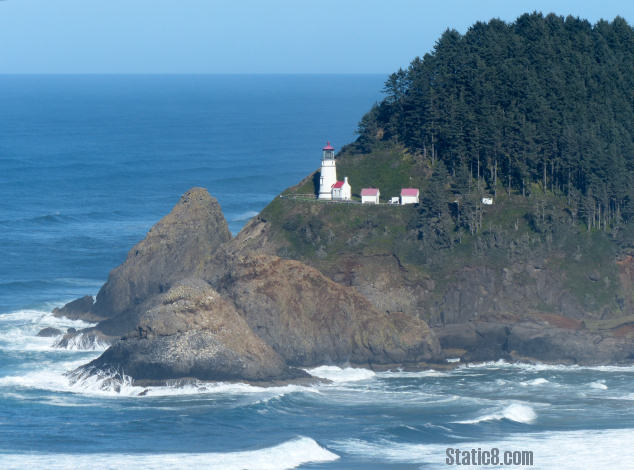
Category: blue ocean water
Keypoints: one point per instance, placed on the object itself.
(89, 163)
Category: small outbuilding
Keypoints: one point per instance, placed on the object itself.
(341, 190)
(409, 196)
(370, 196)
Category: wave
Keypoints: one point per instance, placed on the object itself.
(599, 385)
(71, 377)
(537, 381)
(81, 342)
(19, 329)
(338, 374)
(287, 455)
(46, 219)
(538, 367)
(515, 412)
(413, 374)
(563, 450)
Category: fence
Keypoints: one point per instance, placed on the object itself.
(313, 198)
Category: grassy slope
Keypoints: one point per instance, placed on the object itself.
(513, 228)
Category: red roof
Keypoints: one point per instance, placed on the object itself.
(409, 192)
(338, 184)
(369, 192)
(328, 146)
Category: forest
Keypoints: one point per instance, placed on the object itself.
(544, 102)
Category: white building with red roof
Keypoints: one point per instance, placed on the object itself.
(370, 195)
(409, 196)
(341, 190)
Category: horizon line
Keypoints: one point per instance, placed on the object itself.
(191, 73)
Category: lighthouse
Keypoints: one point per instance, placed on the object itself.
(328, 176)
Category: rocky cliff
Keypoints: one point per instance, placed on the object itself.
(510, 292)
(189, 302)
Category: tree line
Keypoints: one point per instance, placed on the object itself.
(545, 100)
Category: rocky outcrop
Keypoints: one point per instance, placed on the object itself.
(78, 309)
(173, 249)
(49, 332)
(309, 319)
(554, 339)
(190, 304)
(192, 332)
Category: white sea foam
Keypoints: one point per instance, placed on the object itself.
(55, 377)
(517, 412)
(287, 455)
(566, 450)
(81, 342)
(537, 367)
(116, 384)
(400, 374)
(338, 374)
(19, 329)
(537, 381)
(599, 385)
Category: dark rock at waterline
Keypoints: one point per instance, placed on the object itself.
(535, 340)
(49, 332)
(78, 309)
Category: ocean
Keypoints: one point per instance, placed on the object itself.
(89, 163)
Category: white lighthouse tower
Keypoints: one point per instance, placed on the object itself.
(328, 175)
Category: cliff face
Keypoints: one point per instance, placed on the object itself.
(310, 320)
(564, 296)
(173, 249)
(190, 303)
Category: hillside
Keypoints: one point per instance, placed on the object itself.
(538, 115)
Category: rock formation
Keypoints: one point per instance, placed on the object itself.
(173, 249)
(192, 332)
(188, 303)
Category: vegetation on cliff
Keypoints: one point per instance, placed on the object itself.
(542, 100)
(538, 115)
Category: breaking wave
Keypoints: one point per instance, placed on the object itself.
(20, 328)
(287, 455)
(81, 342)
(338, 374)
(515, 412)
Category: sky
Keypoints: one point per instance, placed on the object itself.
(248, 36)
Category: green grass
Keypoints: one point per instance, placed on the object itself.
(514, 229)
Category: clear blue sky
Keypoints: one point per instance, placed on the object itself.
(234, 36)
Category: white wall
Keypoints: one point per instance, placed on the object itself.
(327, 178)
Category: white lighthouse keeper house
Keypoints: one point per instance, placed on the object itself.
(328, 176)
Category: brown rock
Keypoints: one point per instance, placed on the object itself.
(173, 249)
(192, 332)
(309, 319)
